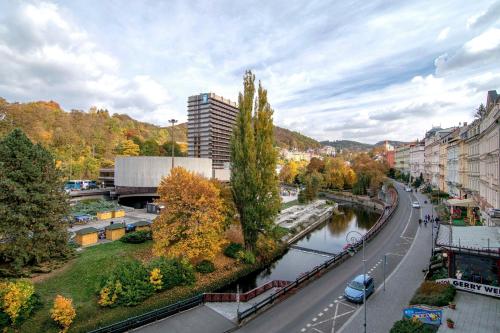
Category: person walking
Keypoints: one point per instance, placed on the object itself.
(419, 222)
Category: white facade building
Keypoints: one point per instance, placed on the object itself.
(417, 159)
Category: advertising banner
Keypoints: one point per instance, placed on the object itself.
(472, 287)
(425, 314)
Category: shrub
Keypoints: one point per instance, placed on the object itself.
(17, 300)
(136, 237)
(410, 326)
(156, 279)
(63, 312)
(433, 293)
(205, 266)
(232, 250)
(133, 287)
(246, 257)
(175, 272)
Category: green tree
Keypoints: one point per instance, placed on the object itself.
(480, 112)
(253, 178)
(150, 148)
(32, 204)
(167, 149)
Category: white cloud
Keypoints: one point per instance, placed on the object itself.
(443, 34)
(488, 40)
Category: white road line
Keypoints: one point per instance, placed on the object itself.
(339, 297)
(320, 314)
(325, 309)
(314, 319)
(407, 223)
(331, 305)
(303, 330)
(308, 325)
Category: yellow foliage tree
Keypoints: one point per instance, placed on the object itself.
(14, 296)
(128, 148)
(289, 171)
(63, 312)
(191, 225)
(110, 293)
(156, 279)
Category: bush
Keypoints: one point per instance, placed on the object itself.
(205, 266)
(410, 326)
(434, 294)
(136, 237)
(128, 285)
(246, 257)
(232, 250)
(175, 272)
(17, 301)
(63, 312)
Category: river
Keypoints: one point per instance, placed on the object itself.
(328, 237)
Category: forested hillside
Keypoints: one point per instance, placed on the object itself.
(82, 142)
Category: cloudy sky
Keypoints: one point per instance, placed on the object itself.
(360, 70)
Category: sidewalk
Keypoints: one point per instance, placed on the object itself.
(386, 307)
(474, 313)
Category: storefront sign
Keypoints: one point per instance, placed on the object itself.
(424, 314)
(472, 287)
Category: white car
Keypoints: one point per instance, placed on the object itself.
(408, 189)
(415, 204)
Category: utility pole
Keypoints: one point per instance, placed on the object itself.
(172, 121)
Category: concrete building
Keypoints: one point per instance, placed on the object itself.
(463, 151)
(435, 157)
(451, 144)
(142, 174)
(210, 125)
(402, 158)
(417, 159)
(489, 157)
(472, 145)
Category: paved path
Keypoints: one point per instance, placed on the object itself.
(474, 313)
(386, 307)
(320, 307)
(200, 319)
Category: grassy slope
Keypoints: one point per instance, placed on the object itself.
(81, 278)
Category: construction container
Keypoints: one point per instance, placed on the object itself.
(142, 226)
(119, 213)
(115, 231)
(86, 236)
(104, 215)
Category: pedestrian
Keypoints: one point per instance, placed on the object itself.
(419, 222)
(425, 223)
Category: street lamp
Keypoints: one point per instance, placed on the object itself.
(172, 121)
(354, 237)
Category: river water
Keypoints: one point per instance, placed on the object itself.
(327, 237)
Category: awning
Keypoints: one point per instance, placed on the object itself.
(462, 202)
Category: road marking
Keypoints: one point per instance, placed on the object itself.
(325, 309)
(331, 305)
(339, 297)
(318, 330)
(407, 223)
(320, 314)
(308, 325)
(303, 330)
(314, 319)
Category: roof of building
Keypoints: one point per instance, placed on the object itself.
(86, 231)
(462, 202)
(115, 226)
(141, 223)
(474, 237)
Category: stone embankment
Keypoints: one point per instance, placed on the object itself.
(364, 200)
(301, 219)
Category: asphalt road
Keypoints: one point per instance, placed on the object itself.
(320, 307)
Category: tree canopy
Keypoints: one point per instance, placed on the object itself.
(33, 207)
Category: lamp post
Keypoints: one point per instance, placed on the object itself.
(353, 237)
(172, 121)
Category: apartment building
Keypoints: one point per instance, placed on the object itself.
(210, 125)
(435, 157)
(489, 156)
(402, 158)
(451, 144)
(472, 144)
(417, 159)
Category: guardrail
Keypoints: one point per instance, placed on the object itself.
(245, 297)
(318, 270)
(152, 316)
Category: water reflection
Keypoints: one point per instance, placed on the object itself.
(328, 237)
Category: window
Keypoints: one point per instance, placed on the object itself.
(476, 269)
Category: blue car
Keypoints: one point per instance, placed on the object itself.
(354, 290)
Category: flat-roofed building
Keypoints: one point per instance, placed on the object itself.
(211, 119)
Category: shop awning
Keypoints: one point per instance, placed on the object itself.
(462, 202)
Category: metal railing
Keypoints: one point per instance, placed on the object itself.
(318, 270)
(152, 316)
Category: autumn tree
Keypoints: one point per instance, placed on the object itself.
(128, 148)
(289, 172)
(253, 179)
(370, 174)
(150, 148)
(337, 174)
(191, 225)
(33, 206)
(166, 149)
(63, 312)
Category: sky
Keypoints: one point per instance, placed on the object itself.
(357, 70)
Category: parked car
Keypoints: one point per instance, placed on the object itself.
(354, 290)
(415, 204)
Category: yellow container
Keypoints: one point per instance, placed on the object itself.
(118, 213)
(104, 215)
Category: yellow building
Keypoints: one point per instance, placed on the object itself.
(104, 215)
(142, 226)
(115, 231)
(86, 236)
(119, 213)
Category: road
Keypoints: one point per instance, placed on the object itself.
(320, 307)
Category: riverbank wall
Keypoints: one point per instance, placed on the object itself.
(344, 196)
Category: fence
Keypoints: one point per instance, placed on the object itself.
(245, 297)
(341, 257)
(151, 316)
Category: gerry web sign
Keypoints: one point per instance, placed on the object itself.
(472, 287)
